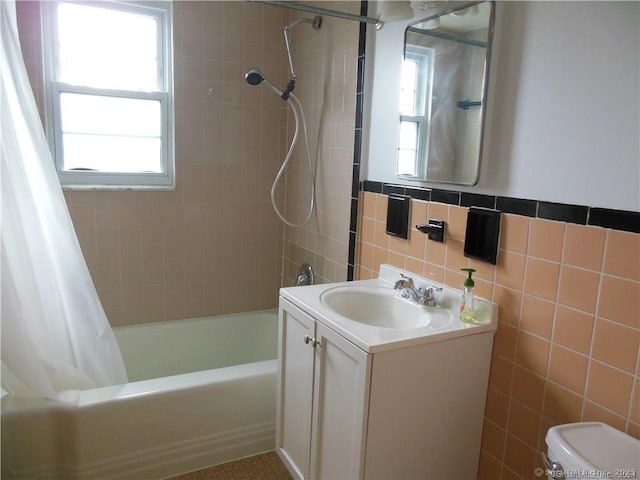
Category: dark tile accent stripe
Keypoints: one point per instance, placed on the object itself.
(357, 151)
(418, 193)
(445, 196)
(615, 219)
(477, 200)
(389, 188)
(353, 219)
(355, 180)
(362, 38)
(357, 142)
(360, 79)
(563, 213)
(517, 206)
(393, 189)
(359, 109)
(370, 186)
(352, 248)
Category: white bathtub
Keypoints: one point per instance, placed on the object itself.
(153, 428)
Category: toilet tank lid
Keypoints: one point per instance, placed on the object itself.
(594, 446)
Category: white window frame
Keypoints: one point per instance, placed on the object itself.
(164, 180)
(424, 58)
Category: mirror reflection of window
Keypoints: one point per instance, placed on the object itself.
(415, 111)
(408, 149)
(443, 94)
(408, 86)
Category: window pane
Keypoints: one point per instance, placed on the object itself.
(108, 153)
(408, 148)
(101, 114)
(110, 134)
(106, 48)
(408, 135)
(406, 162)
(408, 87)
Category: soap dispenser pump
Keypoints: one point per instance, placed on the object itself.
(467, 311)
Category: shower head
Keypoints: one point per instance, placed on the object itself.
(255, 77)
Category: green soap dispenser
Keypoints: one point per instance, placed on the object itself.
(467, 311)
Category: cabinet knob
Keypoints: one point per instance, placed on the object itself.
(310, 340)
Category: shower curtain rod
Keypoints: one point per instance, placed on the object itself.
(322, 11)
(453, 38)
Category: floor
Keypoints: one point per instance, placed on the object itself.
(266, 466)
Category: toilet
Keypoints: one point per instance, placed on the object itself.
(591, 450)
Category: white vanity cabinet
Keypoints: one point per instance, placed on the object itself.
(323, 381)
(375, 403)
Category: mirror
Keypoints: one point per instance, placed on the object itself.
(443, 94)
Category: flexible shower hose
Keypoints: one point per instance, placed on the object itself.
(295, 105)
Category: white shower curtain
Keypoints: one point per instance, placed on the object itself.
(56, 338)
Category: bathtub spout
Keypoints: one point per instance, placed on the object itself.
(305, 275)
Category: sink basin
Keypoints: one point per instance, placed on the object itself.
(382, 308)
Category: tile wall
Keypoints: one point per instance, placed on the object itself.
(197, 250)
(566, 348)
(214, 244)
(325, 61)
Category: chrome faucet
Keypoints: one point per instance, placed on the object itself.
(429, 297)
(404, 282)
(422, 296)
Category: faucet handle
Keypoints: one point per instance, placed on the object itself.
(429, 299)
(409, 280)
(404, 282)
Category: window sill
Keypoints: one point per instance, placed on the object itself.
(120, 187)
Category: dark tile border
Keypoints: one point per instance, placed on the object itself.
(445, 196)
(360, 79)
(369, 186)
(359, 109)
(353, 219)
(355, 180)
(615, 219)
(394, 190)
(362, 39)
(517, 206)
(578, 214)
(418, 193)
(357, 142)
(562, 212)
(477, 200)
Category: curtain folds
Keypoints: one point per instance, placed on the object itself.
(55, 335)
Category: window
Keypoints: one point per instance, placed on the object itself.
(109, 93)
(415, 111)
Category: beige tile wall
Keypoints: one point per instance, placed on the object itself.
(325, 62)
(28, 16)
(566, 348)
(213, 245)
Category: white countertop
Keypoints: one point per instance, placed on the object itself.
(376, 339)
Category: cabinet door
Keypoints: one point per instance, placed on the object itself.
(295, 388)
(340, 403)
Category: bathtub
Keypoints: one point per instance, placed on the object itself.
(200, 392)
